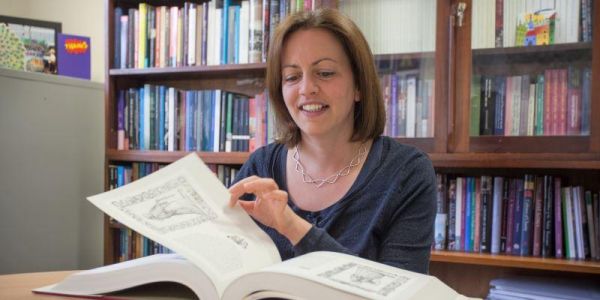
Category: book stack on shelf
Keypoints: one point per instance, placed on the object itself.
(539, 94)
(484, 102)
(538, 216)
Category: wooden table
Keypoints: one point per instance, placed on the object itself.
(19, 286)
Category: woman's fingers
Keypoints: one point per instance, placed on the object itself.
(251, 185)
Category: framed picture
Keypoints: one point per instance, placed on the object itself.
(29, 45)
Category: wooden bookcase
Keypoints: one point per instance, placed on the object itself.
(451, 148)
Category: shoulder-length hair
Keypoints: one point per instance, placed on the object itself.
(369, 112)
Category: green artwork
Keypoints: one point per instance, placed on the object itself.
(12, 50)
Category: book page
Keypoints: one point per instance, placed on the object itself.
(183, 206)
(362, 277)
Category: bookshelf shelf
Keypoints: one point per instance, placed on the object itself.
(578, 161)
(532, 53)
(537, 263)
(236, 70)
(228, 158)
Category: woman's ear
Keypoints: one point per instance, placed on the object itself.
(356, 96)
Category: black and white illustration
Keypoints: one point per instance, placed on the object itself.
(366, 278)
(240, 241)
(174, 205)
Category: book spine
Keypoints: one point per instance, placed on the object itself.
(451, 214)
(512, 198)
(460, 216)
(591, 225)
(547, 217)
(539, 106)
(474, 125)
(500, 94)
(118, 13)
(518, 217)
(527, 215)
(497, 214)
(441, 214)
(486, 214)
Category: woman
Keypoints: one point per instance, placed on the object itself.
(331, 181)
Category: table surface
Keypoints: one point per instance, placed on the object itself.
(19, 286)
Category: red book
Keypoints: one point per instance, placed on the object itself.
(549, 79)
(510, 214)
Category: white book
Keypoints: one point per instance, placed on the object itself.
(223, 254)
(191, 39)
(411, 105)
(210, 35)
(459, 209)
(217, 120)
(124, 46)
(172, 124)
(244, 31)
(497, 214)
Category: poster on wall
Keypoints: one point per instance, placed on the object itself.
(29, 45)
(74, 52)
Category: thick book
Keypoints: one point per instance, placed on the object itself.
(222, 254)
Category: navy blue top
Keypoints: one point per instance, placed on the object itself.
(387, 215)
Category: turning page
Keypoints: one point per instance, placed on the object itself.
(183, 206)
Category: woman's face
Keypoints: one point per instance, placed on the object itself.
(318, 84)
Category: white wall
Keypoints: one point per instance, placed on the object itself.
(51, 159)
(79, 17)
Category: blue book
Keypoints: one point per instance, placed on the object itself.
(117, 36)
(162, 145)
(142, 145)
(468, 216)
(189, 113)
(224, 32)
(207, 120)
(518, 218)
(236, 38)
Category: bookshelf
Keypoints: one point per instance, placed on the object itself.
(449, 61)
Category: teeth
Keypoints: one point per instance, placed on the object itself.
(313, 107)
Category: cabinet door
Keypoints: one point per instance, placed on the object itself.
(531, 76)
(402, 36)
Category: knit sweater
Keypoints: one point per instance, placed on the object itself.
(387, 215)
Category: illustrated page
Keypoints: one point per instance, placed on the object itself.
(355, 275)
(183, 206)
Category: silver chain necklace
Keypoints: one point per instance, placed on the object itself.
(333, 178)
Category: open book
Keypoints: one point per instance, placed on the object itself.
(223, 254)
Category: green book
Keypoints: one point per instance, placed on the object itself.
(475, 105)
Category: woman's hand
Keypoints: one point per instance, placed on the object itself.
(270, 206)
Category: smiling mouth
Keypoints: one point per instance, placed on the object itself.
(313, 107)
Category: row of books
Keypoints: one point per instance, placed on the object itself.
(156, 117)
(129, 244)
(121, 174)
(556, 102)
(409, 102)
(529, 216)
(511, 23)
(208, 33)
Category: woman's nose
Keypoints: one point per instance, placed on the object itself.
(308, 86)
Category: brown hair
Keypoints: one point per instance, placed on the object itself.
(369, 112)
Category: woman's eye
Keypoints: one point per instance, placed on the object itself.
(290, 78)
(326, 74)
